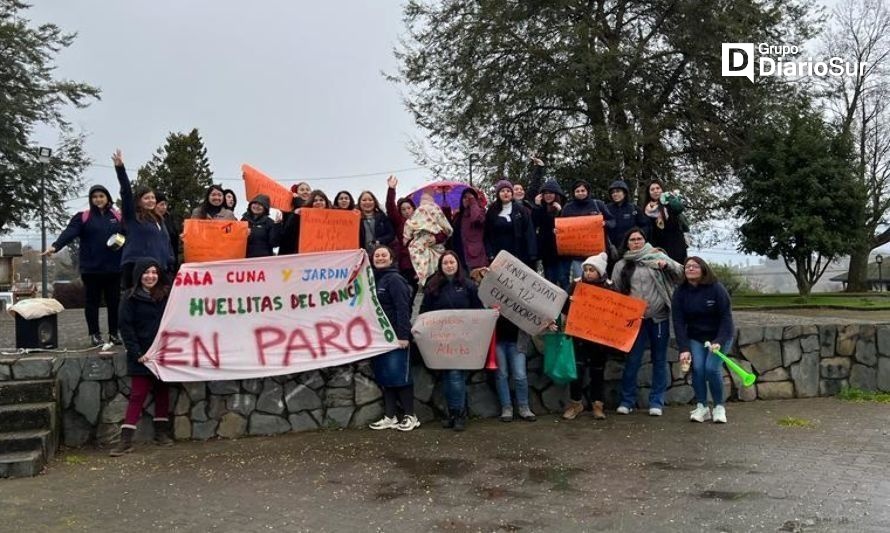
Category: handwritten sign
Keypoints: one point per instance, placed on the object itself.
(455, 339)
(270, 316)
(605, 316)
(524, 297)
(580, 236)
(328, 230)
(214, 240)
(256, 182)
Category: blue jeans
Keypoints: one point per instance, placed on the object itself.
(558, 273)
(508, 355)
(707, 372)
(454, 387)
(656, 336)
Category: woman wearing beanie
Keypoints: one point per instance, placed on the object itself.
(213, 207)
(449, 288)
(647, 273)
(508, 226)
(140, 318)
(264, 232)
(392, 370)
(665, 210)
(146, 234)
(589, 355)
(583, 204)
(100, 265)
(702, 313)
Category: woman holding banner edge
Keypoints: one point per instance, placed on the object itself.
(392, 370)
(449, 288)
(647, 273)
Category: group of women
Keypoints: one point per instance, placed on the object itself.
(427, 248)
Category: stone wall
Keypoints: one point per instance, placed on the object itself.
(790, 362)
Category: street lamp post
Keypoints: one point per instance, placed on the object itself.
(472, 157)
(880, 259)
(43, 155)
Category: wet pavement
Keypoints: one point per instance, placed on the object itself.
(631, 473)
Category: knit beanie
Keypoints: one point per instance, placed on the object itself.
(503, 184)
(598, 262)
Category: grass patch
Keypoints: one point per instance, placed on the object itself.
(853, 394)
(840, 300)
(75, 459)
(794, 422)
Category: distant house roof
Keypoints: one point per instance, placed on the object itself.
(875, 275)
(10, 249)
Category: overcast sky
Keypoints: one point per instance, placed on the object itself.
(291, 87)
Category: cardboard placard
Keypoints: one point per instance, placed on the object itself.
(328, 230)
(580, 236)
(214, 240)
(605, 317)
(454, 339)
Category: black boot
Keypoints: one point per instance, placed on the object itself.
(126, 443)
(460, 420)
(162, 433)
(448, 421)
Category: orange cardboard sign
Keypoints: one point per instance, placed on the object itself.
(605, 317)
(580, 236)
(327, 230)
(255, 182)
(214, 240)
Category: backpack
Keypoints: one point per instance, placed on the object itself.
(85, 215)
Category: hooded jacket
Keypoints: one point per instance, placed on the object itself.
(264, 234)
(544, 217)
(468, 239)
(587, 206)
(625, 215)
(394, 295)
(95, 256)
(140, 317)
(147, 238)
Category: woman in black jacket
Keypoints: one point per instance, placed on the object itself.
(392, 370)
(548, 206)
(140, 318)
(100, 264)
(264, 232)
(668, 225)
(290, 233)
(375, 228)
(449, 288)
(508, 226)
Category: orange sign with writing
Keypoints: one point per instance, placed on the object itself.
(327, 230)
(580, 236)
(255, 182)
(214, 240)
(605, 317)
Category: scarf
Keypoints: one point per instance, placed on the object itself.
(648, 256)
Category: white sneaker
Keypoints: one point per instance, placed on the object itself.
(623, 410)
(408, 423)
(655, 411)
(719, 414)
(700, 413)
(385, 423)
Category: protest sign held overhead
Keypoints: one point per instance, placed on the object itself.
(256, 182)
(270, 316)
(327, 230)
(525, 298)
(604, 316)
(454, 339)
(580, 236)
(214, 240)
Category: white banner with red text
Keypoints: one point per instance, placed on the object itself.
(252, 318)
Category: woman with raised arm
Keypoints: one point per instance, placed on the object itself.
(146, 233)
(668, 225)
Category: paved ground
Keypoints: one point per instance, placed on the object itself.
(631, 473)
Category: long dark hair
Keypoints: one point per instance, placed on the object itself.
(206, 208)
(439, 279)
(376, 203)
(630, 267)
(142, 214)
(161, 289)
(317, 193)
(707, 273)
(336, 203)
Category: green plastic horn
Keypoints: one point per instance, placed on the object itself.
(747, 378)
